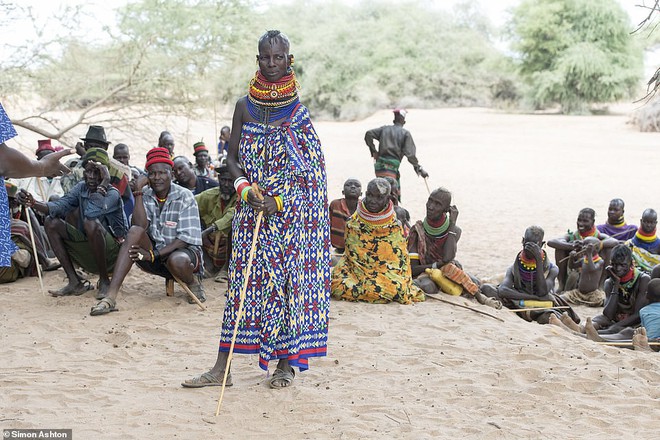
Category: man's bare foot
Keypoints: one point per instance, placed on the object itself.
(640, 341)
(556, 321)
(591, 331)
(568, 322)
(74, 288)
(490, 302)
(103, 286)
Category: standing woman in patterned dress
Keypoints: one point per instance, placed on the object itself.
(274, 144)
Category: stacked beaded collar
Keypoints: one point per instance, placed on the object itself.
(629, 279)
(619, 224)
(271, 101)
(437, 230)
(526, 263)
(646, 238)
(377, 218)
(596, 258)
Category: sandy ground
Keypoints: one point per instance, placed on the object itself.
(427, 370)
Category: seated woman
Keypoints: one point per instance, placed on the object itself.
(432, 245)
(375, 267)
(531, 277)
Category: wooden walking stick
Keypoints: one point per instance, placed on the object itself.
(34, 249)
(428, 295)
(241, 301)
(216, 245)
(189, 292)
(426, 181)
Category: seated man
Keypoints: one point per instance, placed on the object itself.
(645, 244)
(573, 241)
(120, 175)
(585, 271)
(625, 293)
(93, 243)
(530, 278)
(375, 267)
(216, 211)
(185, 176)
(616, 226)
(432, 244)
(203, 165)
(341, 210)
(402, 213)
(165, 237)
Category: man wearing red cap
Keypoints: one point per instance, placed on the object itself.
(203, 166)
(394, 142)
(165, 237)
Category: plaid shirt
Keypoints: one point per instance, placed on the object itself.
(179, 218)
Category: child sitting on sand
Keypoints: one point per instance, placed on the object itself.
(584, 272)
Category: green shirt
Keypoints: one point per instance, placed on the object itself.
(215, 211)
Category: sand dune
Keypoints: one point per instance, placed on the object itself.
(427, 370)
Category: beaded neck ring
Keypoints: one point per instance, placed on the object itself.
(593, 232)
(647, 238)
(619, 224)
(163, 200)
(528, 263)
(437, 231)
(271, 101)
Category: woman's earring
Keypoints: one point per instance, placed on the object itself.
(292, 60)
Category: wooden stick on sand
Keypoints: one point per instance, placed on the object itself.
(462, 306)
(241, 301)
(34, 249)
(623, 343)
(189, 292)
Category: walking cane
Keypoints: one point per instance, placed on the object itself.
(246, 279)
(426, 181)
(34, 249)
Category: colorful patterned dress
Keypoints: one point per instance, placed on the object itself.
(7, 247)
(287, 299)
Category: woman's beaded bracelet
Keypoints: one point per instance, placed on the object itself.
(244, 192)
(238, 182)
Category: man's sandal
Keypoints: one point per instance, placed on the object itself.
(281, 378)
(103, 307)
(206, 380)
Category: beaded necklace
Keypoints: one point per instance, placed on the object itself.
(596, 259)
(647, 238)
(526, 262)
(593, 232)
(437, 231)
(627, 282)
(375, 218)
(163, 200)
(620, 224)
(271, 101)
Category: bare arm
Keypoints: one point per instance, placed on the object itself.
(13, 163)
(139, 217)
(564, 244)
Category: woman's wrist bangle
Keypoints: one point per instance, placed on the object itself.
(279, 203)
(242, 187)
(244, 192)
(156, 255)
(153, 258)
(238, 182)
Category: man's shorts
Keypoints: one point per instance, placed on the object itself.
(159, 268)
(80, 251)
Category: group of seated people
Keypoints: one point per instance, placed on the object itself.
(173, 218)
(379, 260)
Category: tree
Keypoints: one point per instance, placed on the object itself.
(576, 52)
(158, 60)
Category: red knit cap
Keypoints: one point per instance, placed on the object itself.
(158, 155)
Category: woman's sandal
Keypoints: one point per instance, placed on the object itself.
(281, 378)
(206, 380)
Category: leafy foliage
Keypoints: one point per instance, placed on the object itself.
(576, 52)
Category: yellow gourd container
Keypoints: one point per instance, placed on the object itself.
(530, 303)
(444, 283)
